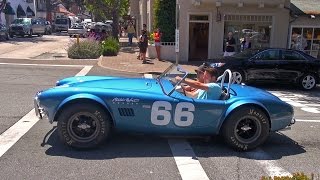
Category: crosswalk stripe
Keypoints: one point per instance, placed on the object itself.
(271, 167)
(15, 132)
(187, 163)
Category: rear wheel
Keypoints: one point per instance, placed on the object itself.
(246, 128)
(307, 82)
(83, 125)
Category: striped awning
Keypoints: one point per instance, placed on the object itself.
(30, 12)
(20, 11)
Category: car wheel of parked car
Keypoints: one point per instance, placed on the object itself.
(83, 125)
(246, 128)
(238, 76)
(308, 82)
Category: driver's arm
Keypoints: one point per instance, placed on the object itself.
(193, 83)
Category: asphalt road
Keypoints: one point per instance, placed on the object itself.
(40, 155)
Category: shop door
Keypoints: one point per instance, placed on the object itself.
(198, 41)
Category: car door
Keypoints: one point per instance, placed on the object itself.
(291, 65)
(263, 66)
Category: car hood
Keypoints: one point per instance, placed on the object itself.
(107, 82)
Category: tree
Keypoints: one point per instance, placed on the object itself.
(109, 9)
(165, 18)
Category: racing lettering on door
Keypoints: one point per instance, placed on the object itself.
(161, 113)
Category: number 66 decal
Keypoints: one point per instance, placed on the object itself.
(163, 108)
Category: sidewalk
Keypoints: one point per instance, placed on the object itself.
(127, 61)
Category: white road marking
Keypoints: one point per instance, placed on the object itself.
(84, 71)
(15, 132)
(53, 65)
(186, 160)
(307, 120)
(271, 167)
(294, 100)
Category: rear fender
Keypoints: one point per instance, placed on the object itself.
(239, 104)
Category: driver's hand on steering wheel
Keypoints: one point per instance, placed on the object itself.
(178, 78)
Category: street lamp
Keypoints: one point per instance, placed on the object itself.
(177, 32)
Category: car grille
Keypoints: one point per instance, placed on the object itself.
(126, 112)
(14, 28)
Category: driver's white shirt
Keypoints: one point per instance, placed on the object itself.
(213, 93)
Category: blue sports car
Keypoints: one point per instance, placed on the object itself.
(88, 108)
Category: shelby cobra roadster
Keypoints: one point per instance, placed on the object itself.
(88, 108)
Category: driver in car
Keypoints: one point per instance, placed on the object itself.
(208, 89)
(200, 73)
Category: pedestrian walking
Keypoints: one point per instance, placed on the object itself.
(131, 31)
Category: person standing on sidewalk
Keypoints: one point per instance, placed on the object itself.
(230, 45)
(143, 45)
(157, 42)
(131, 31)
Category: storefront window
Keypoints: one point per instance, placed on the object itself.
(256, 29)
(306, 39)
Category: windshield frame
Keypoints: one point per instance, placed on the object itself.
(164, 76)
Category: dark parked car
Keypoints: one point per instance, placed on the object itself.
(4, 33)
(273, 65)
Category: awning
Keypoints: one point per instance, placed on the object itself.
(8, 10)
(311, 7)
(20, 11)
(30, 12)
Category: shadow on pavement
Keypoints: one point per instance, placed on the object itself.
(33, 39)
(130, 145)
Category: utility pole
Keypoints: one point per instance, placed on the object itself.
(177, 32)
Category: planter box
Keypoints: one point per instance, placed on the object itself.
(167, 51)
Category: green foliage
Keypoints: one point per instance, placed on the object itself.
(105, 8)
(86, 49)
(295, 176)
(110, 47)
(165, 18)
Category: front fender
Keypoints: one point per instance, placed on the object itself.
(83, 96)
(236, 105)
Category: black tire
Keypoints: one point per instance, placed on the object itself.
(7, 37)
(246, 128)
(11, 35)
(96, 126)
(238, 76)
(308, 82)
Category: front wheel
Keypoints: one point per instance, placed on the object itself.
(83, 126)
(246, 128)
(307, 82)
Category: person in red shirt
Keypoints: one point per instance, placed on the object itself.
(157, 41)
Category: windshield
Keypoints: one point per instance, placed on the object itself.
(247, 53)
(167, 79)
(61, 21)
(22, 21)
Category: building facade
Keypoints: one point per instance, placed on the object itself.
(204, 25)
(17, 8)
